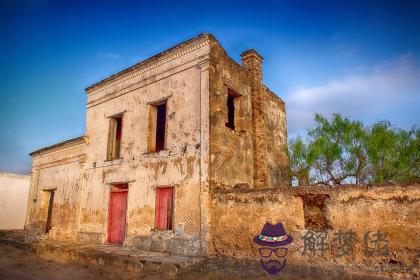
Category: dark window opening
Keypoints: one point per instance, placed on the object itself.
(118, 135)
(50, 210)
(160, 127)
(231, 111)
(114, 138)
(164, 208)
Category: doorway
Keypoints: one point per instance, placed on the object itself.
(164, 208)
(50, 210)
(117, 214)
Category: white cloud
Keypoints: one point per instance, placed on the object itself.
(386, 89)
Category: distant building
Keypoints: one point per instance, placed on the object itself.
(13, 200)
(160, 135)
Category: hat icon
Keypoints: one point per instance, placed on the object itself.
(273, 236)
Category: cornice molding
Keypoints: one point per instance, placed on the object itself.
(147, 65)
(60, 147)
(91, 101)
(81, 159)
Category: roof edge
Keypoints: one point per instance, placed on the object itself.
(60, 144)
(138, 65)
(273, 94)
(14, 175)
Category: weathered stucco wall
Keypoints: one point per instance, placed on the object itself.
(238, 216)
(231, 153)
(60, 169)
(276, 130)
(13, 200)
(181, 77)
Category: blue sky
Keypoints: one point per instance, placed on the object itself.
(357, 58)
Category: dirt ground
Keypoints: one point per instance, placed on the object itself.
(227, 268)
(22, 264)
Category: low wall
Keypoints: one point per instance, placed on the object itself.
(13, 200)
(238, 216)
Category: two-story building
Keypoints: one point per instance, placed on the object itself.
(160, 135)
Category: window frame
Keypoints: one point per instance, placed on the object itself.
(231, 111)
(153, 125)
(114, 144)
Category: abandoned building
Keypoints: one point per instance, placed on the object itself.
(160, 135)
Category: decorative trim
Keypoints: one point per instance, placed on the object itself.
(139, 69)
(48, 189)
(204, 63)
(120, 182)
(140, 84)
(159, 101)
(78, 158)
(120, 114)
(61, 146)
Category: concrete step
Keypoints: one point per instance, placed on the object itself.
(107, 255)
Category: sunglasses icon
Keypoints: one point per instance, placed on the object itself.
(267, 252)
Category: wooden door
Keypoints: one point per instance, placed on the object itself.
(117, 216)
(164, 208)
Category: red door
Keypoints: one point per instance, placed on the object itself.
(117, 216)
(164, 208)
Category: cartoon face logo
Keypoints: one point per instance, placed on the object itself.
(272, 247)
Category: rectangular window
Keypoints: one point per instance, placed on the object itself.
(160, 127)
(157, 127)
(231, 109)
(164, 208)
(114, 138)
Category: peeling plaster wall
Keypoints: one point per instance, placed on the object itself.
(59, 169)
(238, 216)
(277, 159)
(231, 153)
(180, 76)
(13, 200)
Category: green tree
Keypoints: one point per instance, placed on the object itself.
(393, 154)
(337, 150)
(341, 150)
(298, 156)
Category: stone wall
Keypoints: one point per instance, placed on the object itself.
(276, 153)
(238, 216)
(231, 151)
(241, 157)
(13, 200)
